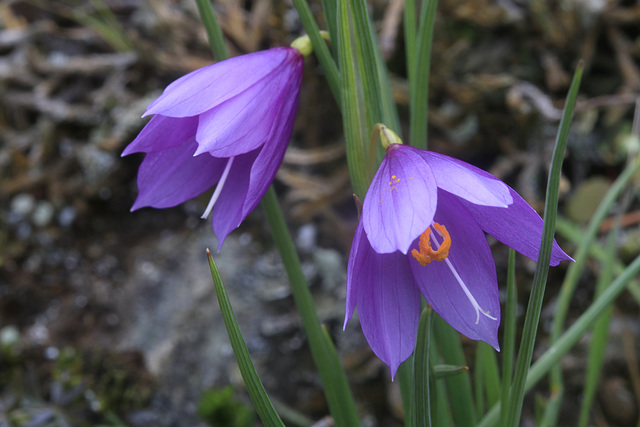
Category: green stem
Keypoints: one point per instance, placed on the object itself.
(210, 22)
(333, 378)
(534, 309)
(508, 349)
(421, 407)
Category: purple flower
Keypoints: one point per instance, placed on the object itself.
(227, 124)
(422, 232)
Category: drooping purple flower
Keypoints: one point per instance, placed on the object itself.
(225, 125)
(421, 232)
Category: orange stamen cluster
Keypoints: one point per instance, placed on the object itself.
(426, 254)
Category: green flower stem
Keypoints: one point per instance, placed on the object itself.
(598, 343)
(421, 406)
(419, 76)
(508, 349)
(333, 378)
(210, 22)
(256, 390)
(319, 47)
(574, 271)
(532, 317)
(553, 355)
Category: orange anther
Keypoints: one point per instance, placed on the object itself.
(426, 254)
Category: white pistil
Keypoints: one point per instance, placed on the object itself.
(218, 189)
(466, 290)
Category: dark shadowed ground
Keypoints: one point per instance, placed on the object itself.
(110, 317)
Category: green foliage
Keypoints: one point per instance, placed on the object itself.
(219, 408)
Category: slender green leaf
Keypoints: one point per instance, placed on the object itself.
(508, 348)
(405, 381)
(419, 77)
(256, 390)
(553, 355)
(410, 13)
(443, 371)
(320, 47)
(600, 333)
(334, 380)
(441, 410)
(540, 278)
(354, 119)
(458, 386)
(490, 371)
(421, 409)
(214, 32)
(330, 8)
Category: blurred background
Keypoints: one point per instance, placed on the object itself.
(110, 318)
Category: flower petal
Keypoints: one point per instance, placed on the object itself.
(463, 180)
(244, 122)
(227, 214)
(517, 226)
(401, 200)
(270, 158)
(162, 133)
(387, 298)
(471, 258)
(209, 86)
(169, 177)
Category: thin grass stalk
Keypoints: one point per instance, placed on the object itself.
(600, 335)
(259, 397)
(214, 32)
(553, 355)
(509, 342)
(319, 47)
(421, 407)
(334, 380)
(419, 82)
(540, 278)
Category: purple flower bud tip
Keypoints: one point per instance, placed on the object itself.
(422, 232)
(225, 125)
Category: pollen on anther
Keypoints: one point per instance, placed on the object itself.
(426, 254)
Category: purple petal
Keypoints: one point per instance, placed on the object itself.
(244, 122)
(162, 133)
(387, 298)
(270, 157)
(470, 256)
(207, 87)
(463, 180)
(401, 200)
(227, 214)
(517, 226)
(170, 177)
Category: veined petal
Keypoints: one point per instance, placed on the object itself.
(518, 226)
(245, 122)
(463, 180)
(470, 257)
(162, 133)
(270, 158)
(227, 213)
(401, 200)
(387, 298)
(203, 89)
(169, 177)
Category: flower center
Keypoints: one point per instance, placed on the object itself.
(218, 189)
(426, 254)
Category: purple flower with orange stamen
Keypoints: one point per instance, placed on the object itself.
(225, 125)
(421, 232)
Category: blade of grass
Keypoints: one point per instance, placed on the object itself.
(600, 333)
(441, 410)
(491, 376)
(509, 341)
(259, 397)
(421, 408)
(320, 47)
(334, 380)
(419, 76)
(554, 353)
(356, 128)
(330, 8)
(214, 32)
(540, 278)
(458, 386)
